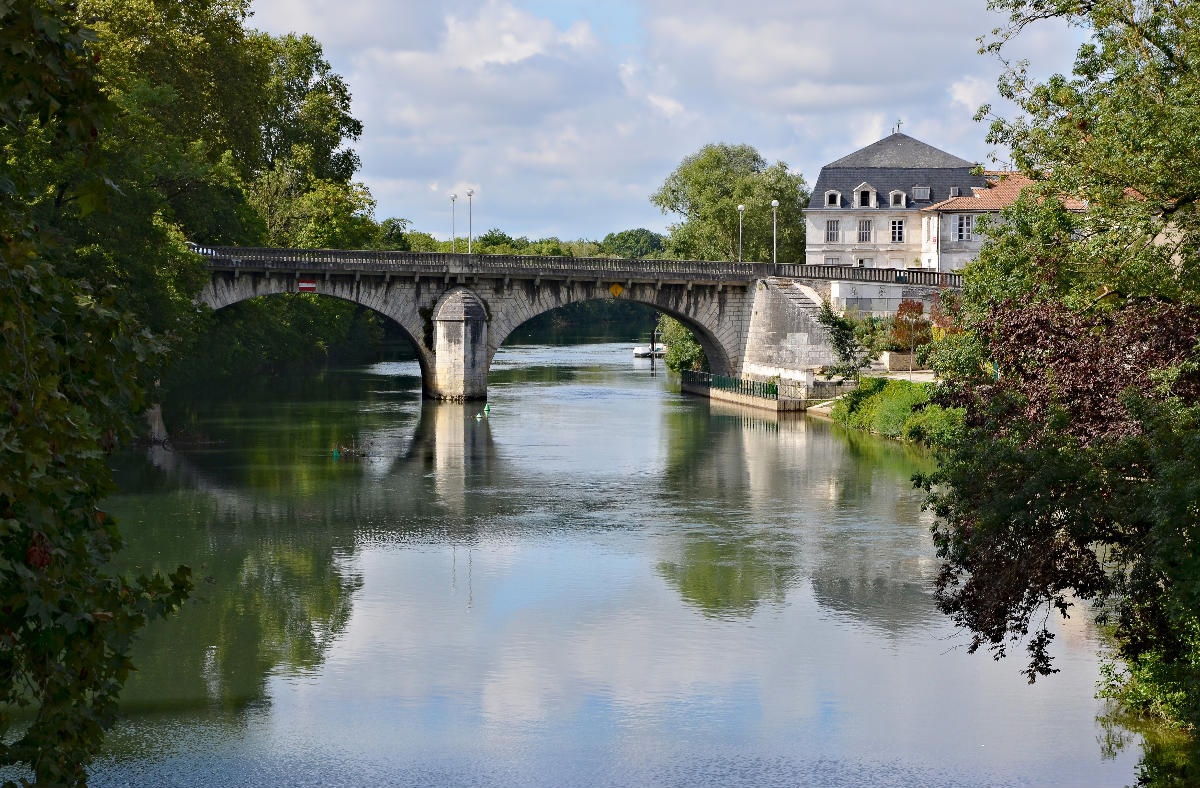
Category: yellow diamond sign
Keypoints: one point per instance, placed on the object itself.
(616, 289)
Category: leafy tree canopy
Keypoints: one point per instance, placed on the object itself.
(706, 188)
(72, 372)
(307, 104)
(1074, 475)
(633, 243)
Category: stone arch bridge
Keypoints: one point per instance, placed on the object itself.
(752, 319)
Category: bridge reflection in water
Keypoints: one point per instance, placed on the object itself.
(601, 559)
(282, 562)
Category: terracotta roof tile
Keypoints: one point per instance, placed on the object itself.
(1002, 190)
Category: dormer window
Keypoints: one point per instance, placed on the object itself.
(864, 196)
(896, 199)
(833, 199)
(920, 192)
(954, 191)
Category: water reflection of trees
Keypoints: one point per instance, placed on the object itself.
(730, 572)
(273, 525)
(767, 501)
(273, 594)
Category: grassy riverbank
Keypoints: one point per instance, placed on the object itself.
(897, 409)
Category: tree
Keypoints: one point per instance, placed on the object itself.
(683, 351)
(853, 357)
(633, 243)
(706, 188)
(1075, 474)
(307, 105)
(393, 235)
(72, 369)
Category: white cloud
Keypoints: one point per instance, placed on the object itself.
(567, 117)
(664, 104)
(971, 92)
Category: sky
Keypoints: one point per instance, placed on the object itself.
(565, 116)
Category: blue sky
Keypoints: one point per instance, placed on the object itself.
(564, 116)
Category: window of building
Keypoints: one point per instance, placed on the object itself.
(831, 231)
(866, 262)
(833, 199)
(864, 231)
(897, 199)
(965, 226)
(920, 192)
(864, 199)
(833, 261)
(954, 192)
(897, 231)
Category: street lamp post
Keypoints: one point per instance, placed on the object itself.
(453, 197)
(741, 212)
(775, 234)
(470, 219)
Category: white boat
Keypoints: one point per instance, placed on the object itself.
(644, 351)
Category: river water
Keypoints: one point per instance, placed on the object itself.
(600, 582)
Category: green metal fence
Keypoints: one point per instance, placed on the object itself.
(750, 388)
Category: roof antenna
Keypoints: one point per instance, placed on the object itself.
(899, 123)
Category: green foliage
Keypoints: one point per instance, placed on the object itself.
(706, 188)
(73, 370)
(897, 409)
(393, 235)
(853, 356)
(269, 335)
(932, 424)
(683, 350)
(307, 106)
(633, 243)
(308, 213)
(1075, 474)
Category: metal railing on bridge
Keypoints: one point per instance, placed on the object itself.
(608, 268)
(749, 388)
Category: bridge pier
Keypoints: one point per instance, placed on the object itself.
(460, 347)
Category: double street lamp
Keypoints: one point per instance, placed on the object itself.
(470, 222)
(470, 219)
(741, 209)
(775, 232)
(741, 213)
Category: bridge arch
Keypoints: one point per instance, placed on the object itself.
(223, 291)
(700, 309)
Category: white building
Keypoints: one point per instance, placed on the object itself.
(868, 209)
(950, 235)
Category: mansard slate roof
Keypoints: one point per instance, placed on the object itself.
(896, 163)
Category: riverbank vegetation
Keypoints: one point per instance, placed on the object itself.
(1075, 476)
(897, 409)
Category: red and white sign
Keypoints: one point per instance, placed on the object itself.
(307, 286)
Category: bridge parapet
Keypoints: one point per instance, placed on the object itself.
(235, 258)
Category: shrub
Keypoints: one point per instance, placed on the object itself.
(933, 425)
(898, 409)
